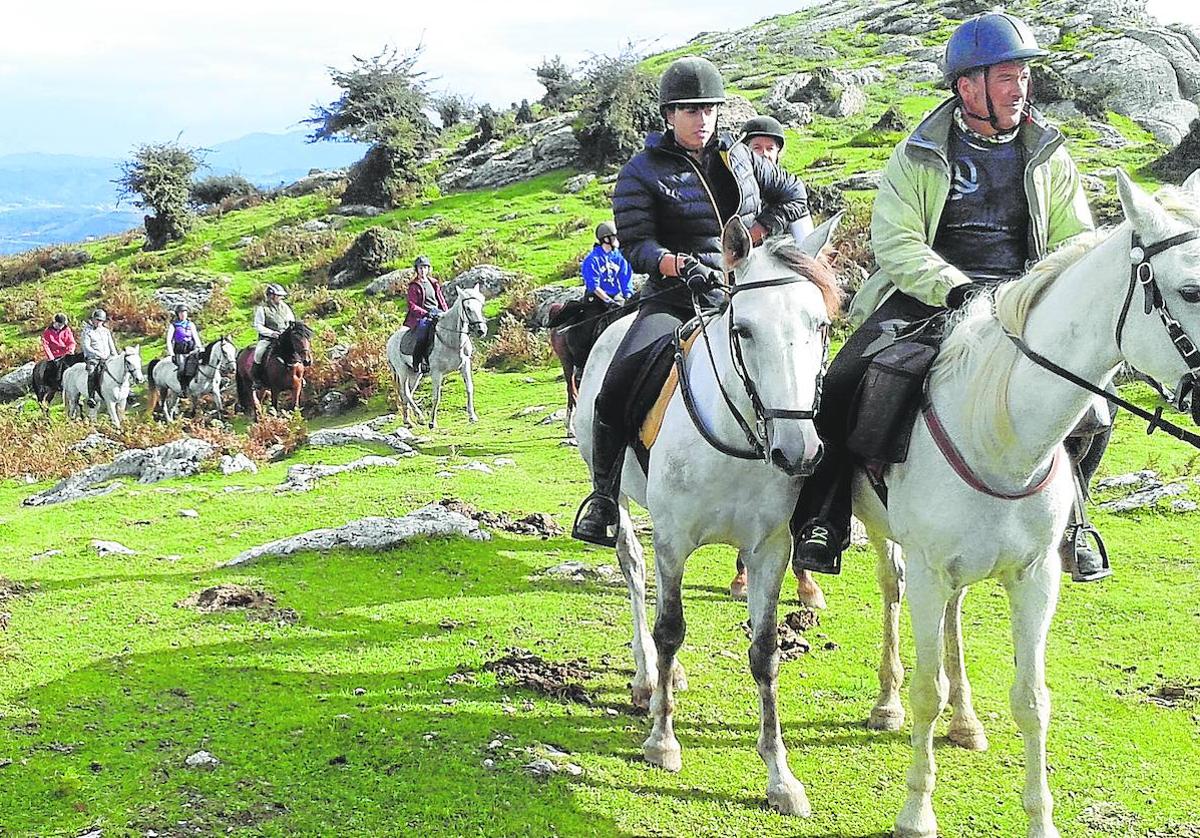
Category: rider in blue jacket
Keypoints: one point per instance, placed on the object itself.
(606, 274)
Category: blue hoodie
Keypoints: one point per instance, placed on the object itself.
(607, 271)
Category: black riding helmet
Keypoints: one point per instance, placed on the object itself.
(605, 230)
(690, 81)
(763, 126)
(983, 42)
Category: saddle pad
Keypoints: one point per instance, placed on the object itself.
(887, 401)
(652, 423)
(408, 342)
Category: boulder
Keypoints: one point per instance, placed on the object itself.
(316, 181)
(492, 280)
(578, 183)
(303, 476)
(546, 145)
(920, 71)
(178, 458)
(735, 112)
(393, 282)
(16, 383)
(237, 463)
(367, 256)
(830, 92)
(1181, 161)
(861, 180)
(194, 297)
(547, 297)
(359, 210)
(376, 534)
(398, 440)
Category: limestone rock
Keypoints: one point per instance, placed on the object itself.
(735, 112)
(303, 476)
(1145, 497)
(546, 145)
(193, 296)
(372, 534)
(398, 440)
(111, 548)
(178, 458)
(237, 463)
(393, 282)
(359, 210)
(202, 760)
(16, 383)
(315, 181)
(862, 180)
(492, 280)
(578, 183)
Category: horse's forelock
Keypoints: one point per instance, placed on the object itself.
(785, 250)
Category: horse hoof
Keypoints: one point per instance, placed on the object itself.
(640, 697)
(472, 419)
(679, 678)
(790, 799)
(666, 757)
(810, 595)
(968, 737)
(886, 718)
(737, 588)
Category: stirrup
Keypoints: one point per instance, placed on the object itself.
(1076, 537)
(597, 502)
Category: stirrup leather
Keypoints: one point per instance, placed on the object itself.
(596, 504)
(1075, 537)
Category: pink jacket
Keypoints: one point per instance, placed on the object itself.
(58, 342)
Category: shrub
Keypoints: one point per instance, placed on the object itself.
(35, 264)
(128, 311)
(559, 81)
(217, 189)
(522, 301)
(290, 431)
(516, 347)
(159, 177)
(30, 307)
(14, 353)
(287, 244)
(357, 374)
(218, 303)
(449, 227)
(570, 267)
(619, 106)
(453, 108)
(569, 227)
(484, 250)
(370, 253)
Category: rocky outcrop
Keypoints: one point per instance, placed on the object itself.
(794, 98)
(178, 458)
(16, 383)
(302, 477)
(398, 440)
(333, 180)
(544, 146)
(372, 534)
(1181, 161)
(492, 280)
(194, 296)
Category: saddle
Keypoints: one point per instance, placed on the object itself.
(191, 366)
(887, 400)
(408, 341)
(652, 392)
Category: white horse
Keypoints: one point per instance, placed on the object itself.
(452, 350)
(218, 358)
(1087, 308)
(771, 342)
(120, 372)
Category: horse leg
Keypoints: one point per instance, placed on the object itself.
(965, 729)
(661, 748)
(888, 712)
(766, 566)
(737, 588)
(469, 382)
(808, 592)
(633, 567)
(436, 378)
(927, 603)
(1033, 597)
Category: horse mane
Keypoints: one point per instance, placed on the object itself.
(977, 342)
(210, 349)
(784, 249)
(287, 338)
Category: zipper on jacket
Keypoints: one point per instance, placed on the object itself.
(711, 200)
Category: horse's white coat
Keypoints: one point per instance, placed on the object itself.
(937, 517)
(121, 371)
(697, 495)
(207, 379)
(452, 350)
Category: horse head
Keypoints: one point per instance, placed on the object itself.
(226, 352)
(133, 363)
(471, 300)
(1159, 327)
(295, 344)
(781, 306)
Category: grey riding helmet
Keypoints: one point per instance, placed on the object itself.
(763, 126)
(276, 289)
(986, 40)
(422, 261)
(100, 315)
(605, 230)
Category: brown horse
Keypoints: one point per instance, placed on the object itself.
(47, 377)
(574, 329)
(283, 367)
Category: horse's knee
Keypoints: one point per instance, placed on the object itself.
(764, 656)
(669, 630)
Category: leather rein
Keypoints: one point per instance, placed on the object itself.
(755, 450)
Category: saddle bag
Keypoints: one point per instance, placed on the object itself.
(887, 401)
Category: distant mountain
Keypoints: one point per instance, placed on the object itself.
(59, 198)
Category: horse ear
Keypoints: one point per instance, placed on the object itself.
(1141, 210)
(816, 241)
(735, 242)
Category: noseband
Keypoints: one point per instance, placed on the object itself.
(762, 414)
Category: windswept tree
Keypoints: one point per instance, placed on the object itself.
(383, 103)
(559, 81)
(159, 177)
(618, 106)
(454, 108)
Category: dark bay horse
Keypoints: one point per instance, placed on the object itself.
(283, 367)
(574, 328)
(47, 377)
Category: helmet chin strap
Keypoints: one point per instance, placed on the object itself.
(990, 119)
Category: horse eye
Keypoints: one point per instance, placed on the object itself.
(1190, 293)
(743, 332)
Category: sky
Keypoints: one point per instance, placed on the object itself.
(98, 78)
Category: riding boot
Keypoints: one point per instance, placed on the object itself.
(1078, 558)
(819, 539)
(599, 513)
(94, 386)
(256, 372)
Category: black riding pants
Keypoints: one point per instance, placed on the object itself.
(653, 321)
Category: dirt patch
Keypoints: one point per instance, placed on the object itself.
(792, 642)
(1109, 819)
(537, 523)
(10, 589)
(522, 668)
(1173, 694)
(258, 604)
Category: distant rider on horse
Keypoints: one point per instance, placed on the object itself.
(98, 347)
(982, 189)
(606, 275)
(426, 304)
(270, 319)
(671, 203)
(183, 345)
(58, 340)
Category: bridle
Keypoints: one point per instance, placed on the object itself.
(762, 414)
(466, 321)
(128, 366)
(1141, 274)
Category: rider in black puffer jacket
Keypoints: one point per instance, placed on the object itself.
(671, 203)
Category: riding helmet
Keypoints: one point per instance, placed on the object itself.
(276, 289)
(988, 39)
(422, 260)
(691, 81)
(605, 230)
(60, 319)
(763, 126)
(99, 314)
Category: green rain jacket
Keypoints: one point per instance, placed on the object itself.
(913, 192)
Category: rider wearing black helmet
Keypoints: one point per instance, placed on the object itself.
(764, 136)
(426, 303)
(982, 188)
(671, 203)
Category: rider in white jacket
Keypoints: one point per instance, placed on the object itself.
(98, 347)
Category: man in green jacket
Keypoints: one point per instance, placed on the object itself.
(982, 189)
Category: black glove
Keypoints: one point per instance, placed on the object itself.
(700, 277)
(959, 295)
